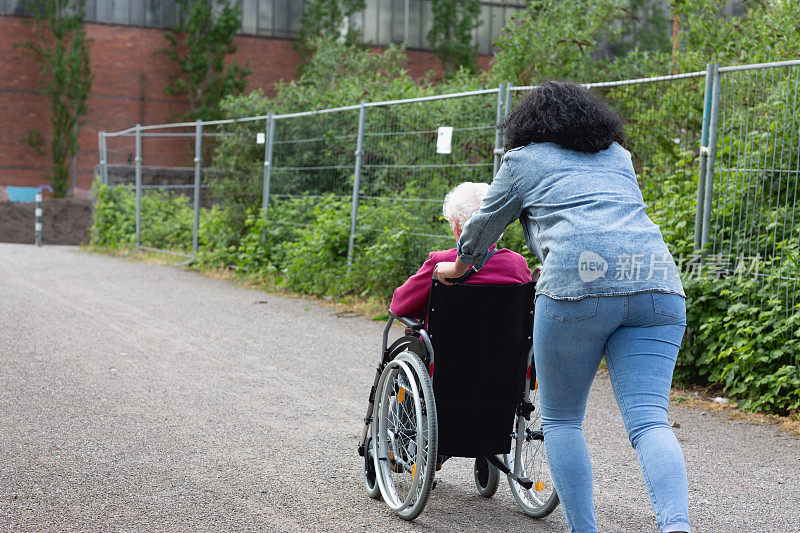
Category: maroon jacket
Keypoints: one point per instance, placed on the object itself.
(504, 268)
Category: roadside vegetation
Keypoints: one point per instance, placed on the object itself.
(742, 340)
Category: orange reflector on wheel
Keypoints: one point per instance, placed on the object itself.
(401, 395)
(539, 486)
(413, 469)
(535, 384)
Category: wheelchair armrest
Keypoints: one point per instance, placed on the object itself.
(412, 323)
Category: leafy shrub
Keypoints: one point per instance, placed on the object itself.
(166, 220)
(114, 217)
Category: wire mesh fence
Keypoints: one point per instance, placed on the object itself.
(754, 221)
(717, 152)
(313, 164)
(413, 153)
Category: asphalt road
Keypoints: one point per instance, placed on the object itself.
(140, 397)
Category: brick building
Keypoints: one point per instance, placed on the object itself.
(129, 79)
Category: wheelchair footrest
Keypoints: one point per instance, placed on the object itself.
(525, 482)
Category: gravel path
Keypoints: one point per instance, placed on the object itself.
(142, 397)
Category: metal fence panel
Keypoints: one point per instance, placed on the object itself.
(414, 152)
(754, 220)
(232, 181)
(312, 168)
(375, 174)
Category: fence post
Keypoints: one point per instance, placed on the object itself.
(356, 184)
(37, 226)
(712, 155)
(701, 179)
(507, 100)
(198, 162)
(267, 168)
(101, 146)
(498, 138)
(138, 163)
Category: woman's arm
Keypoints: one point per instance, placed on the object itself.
(501, 206)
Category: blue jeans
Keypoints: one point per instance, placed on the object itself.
(640, 335)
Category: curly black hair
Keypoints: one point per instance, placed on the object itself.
(566, 114)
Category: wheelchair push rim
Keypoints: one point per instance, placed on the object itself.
(403, 435)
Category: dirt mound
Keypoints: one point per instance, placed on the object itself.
(64, 221)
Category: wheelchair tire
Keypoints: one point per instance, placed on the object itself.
(404, 433)
(542, 498)
(370, 478)
(487, 477)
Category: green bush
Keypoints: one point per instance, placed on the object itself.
(750, 350)
(166, 220)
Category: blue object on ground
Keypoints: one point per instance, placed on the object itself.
(22, 195)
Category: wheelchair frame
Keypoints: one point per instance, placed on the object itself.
(523, 413)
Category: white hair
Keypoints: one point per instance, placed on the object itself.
(462, 202)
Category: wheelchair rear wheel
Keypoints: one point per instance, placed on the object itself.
(540, 500)
(403, 435)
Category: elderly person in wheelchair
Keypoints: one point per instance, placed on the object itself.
(440, 393)
(504, 267)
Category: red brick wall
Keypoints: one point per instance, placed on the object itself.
(128, 87)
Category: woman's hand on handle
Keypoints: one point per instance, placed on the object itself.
(452, 270)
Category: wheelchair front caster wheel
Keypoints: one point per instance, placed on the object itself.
(487, 477)
(370, 478)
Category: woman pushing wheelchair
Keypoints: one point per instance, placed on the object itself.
(609, 286)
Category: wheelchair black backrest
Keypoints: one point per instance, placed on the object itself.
(481, 337)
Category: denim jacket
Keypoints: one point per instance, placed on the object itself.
(583, 216)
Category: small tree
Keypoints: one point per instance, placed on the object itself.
(644, 25)
(199, 44)
(451, 33)
(325, 19)
(61, 50)
(554, 39)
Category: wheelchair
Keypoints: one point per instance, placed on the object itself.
(463, 387)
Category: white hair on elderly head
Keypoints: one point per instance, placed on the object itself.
(462, 202)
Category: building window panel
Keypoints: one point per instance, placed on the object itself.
(119, 11)
(250, 18)
(17, 7)
(414, 24)
(261, 11)
(399, 21)
(136, 12)
(169, 13)
(384, 22)
(295, 17)
(88, 9)
(484, 38)
(370, 23)
(281, 18)
(154, 14)
(427, 23)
